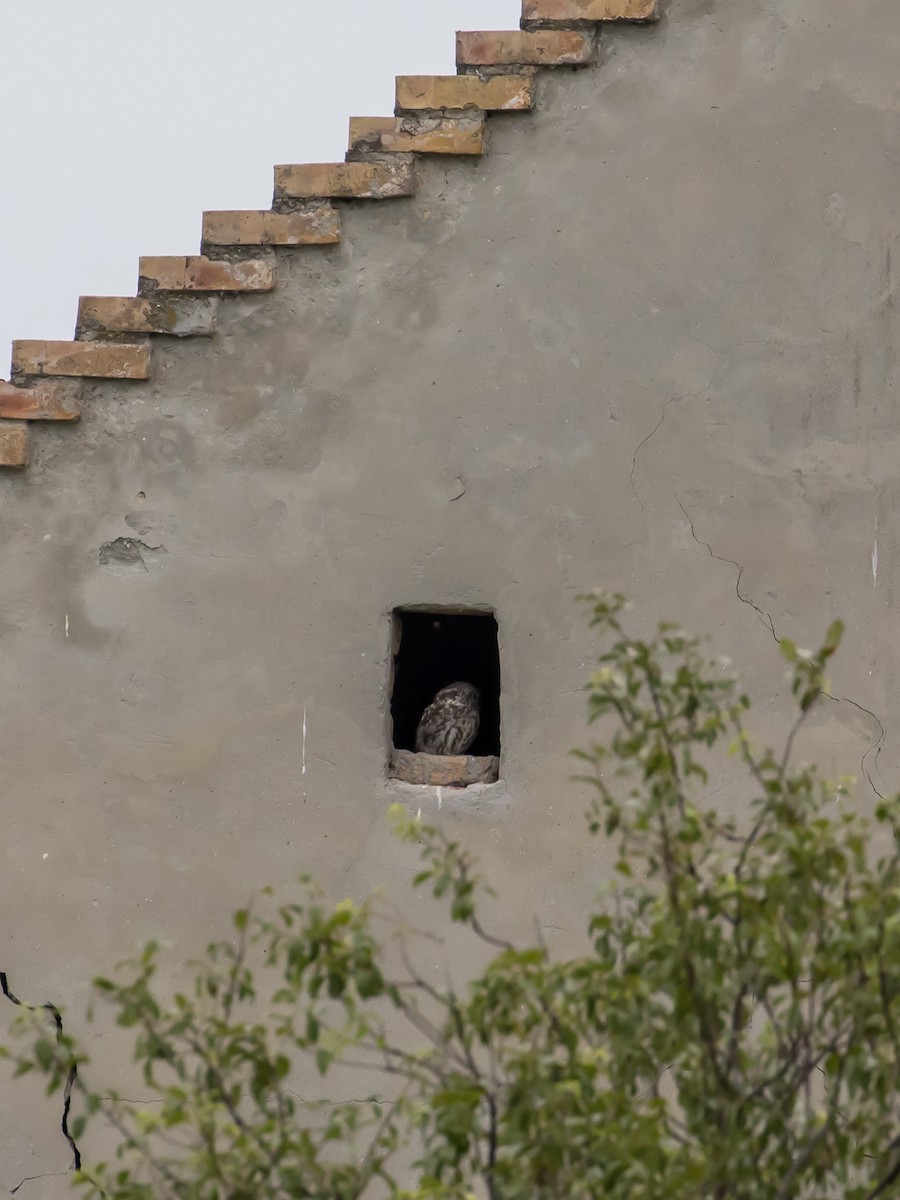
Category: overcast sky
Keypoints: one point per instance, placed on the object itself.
(120, 123)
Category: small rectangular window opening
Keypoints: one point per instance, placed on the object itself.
(432, 649)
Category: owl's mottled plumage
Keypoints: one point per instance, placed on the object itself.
(450, 722)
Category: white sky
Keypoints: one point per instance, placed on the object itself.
(120, 123)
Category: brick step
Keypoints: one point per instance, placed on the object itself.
(94, 360)
(347, 180)
(191, 317)
(44, 400)
(200, 274)
(589, 10)
(541, 48)
(457, 93)
(13, 446)
(424, 135)
(320, 226)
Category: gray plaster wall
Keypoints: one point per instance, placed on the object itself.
(652, 337)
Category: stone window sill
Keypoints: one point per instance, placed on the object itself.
(444, 770)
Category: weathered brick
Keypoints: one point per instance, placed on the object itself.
(56, 400)
(13, 446)
(320, 226)
(444, 770)
(99, 360)
(454, 92)
(425, 135)
(347, 180)
(590, 10)
(543, 48)
(199, 274)
(138, 314)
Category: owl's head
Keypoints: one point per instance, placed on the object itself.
(462, 691)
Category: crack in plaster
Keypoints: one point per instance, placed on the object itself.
(761, 613)
(643, 442)
(334, 1103)
(662, 416)
(765, 617)
(31, 1178)
(874, 748)
(71, 1075)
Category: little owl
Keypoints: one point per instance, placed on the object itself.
(450, 722)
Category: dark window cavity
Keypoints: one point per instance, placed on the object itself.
(432, 648)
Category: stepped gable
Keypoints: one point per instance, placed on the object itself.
(180, 296)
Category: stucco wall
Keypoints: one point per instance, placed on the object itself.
(652, 339)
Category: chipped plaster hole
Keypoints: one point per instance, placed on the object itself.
(129, 553)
